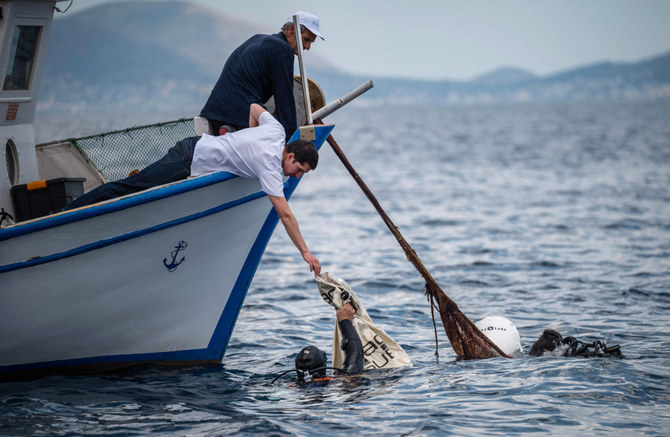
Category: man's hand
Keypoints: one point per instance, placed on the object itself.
(314, 264)
(346, 312)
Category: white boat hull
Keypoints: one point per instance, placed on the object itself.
(157, 276)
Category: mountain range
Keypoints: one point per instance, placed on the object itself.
(146, 57)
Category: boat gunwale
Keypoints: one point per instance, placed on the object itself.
(131, 235)
(129, 201)
(114, 205)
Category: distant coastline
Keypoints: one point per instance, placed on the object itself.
(104, 63)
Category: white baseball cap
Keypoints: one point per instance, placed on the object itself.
(308, 20)
(502, 332)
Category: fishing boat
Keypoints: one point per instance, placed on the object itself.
(158, 276)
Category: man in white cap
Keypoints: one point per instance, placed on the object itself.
(260, 68)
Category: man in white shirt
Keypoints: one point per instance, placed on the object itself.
(257, 152)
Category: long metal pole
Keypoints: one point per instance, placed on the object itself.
(338, 103)
(303, 75)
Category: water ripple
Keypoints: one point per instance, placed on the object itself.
(553, 216)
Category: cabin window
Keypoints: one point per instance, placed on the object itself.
(22, 58)
(12, 158)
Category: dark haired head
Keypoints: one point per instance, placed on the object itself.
(547, 342)
(304, 152)
(313, 360)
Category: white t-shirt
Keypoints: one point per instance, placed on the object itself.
(250, 153)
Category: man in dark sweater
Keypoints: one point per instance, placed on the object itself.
(260, 68)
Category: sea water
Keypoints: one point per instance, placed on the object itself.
(554, 216)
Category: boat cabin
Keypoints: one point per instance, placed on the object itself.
(24, 32)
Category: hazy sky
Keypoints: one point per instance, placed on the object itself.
(449, 39)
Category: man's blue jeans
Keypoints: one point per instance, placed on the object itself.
(174, 166)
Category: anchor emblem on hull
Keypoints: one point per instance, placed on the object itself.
(172, 266)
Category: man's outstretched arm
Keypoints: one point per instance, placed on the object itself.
(293, 230)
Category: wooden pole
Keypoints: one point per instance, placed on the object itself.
(466, 339)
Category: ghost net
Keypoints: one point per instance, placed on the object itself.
(466, 339)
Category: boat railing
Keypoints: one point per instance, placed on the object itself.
(115, 154)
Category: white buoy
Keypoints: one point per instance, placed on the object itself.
(502, 332)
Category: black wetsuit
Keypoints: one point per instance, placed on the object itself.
(352, 347)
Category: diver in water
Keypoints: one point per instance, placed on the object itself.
(312, 360)
(551, 340)
(504, 334)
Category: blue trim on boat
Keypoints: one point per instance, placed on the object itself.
(138, 233)
(192, 355)
(224, 329)
(114, 205)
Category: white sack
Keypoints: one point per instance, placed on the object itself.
(379, 350)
